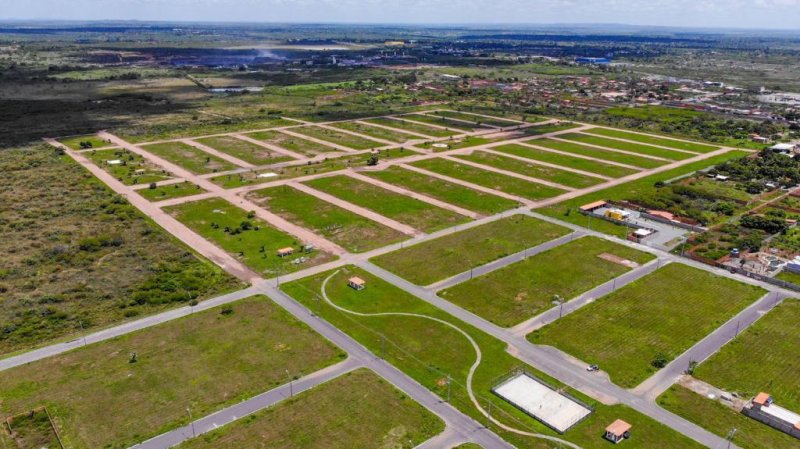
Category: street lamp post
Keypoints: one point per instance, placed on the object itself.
(191, 421)
(560, 302)
(291, 387)
(730, 436)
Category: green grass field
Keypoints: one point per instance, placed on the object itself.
(413, 127)
(577, 163)
(189, 127)
(340, 138)
(788, 276)
(132, 169)
(413, 212)
(654, 140)
(457, 253)
(193, 159)
(353, 232)
(720, 419)
(626, 146)
(74, 142)
(538, 130)
(454, 144)
(479, 119)
(496, 181)
(246, 151)
(375, 131)
(302, 146)
(480, 202)
(564, 178)
(763, 358)
(204, 361)
(583, 150)
(169, 191)
(658, 316)
(32, 429)
(357, 410)
(250, 239)
(442, 121)
(525, 289)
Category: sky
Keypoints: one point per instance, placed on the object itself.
(761, 14)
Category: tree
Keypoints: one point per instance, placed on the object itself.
(373, 159)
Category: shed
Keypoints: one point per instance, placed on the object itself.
(592, 206)
(763, 399)
(618, 430)
(356, 283)
(283, 252)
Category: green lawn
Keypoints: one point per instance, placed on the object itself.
(627, 146)
(525, 289)
(413, 212)
(654, 140)
(340, 138)
(442, 121)
(564, 178)
(457, 253)
(205, 361)
(166, 192)
(250, 239)
(720, 419)
(583, 150)
(357, 410)
(132, 169)
(538, 130)
(496, 181)
(658, 316)
(302, 146)
(186, 125)
(347, 229)
(577, 163)
(92, 140)
(193, 159)
(454, 144)
(494, 121)
(413, 127)
(480, 202)
(406, 342)
(246, 151)
(788, 276)
(375, 131)
(763, 358)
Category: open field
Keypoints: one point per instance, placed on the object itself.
(32, 429)
(340, 138)
(356, 410)
(305, 147)
(454, 144)
(191, 158)
(562, 177)
(89, 141)
(720, 419)
(448, 192)
(479, 119)
(525, 289)
(246, 151)
(347, 229)
(457, 253)
(250, 239)
(563, 160)
(788, 276)
(129, 168)
(689, 146)
(548, 128)
(413, 212)
(442, 121)
(405, 342)
(489, 179)
(204, 361)
(583, 150)
(81, 256)
(413, 127)
(173, 129)
(763, 358)
(166, 192)
(627, 146)
(374, 131)
(649, 322)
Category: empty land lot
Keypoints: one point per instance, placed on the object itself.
(479, 119)
(562, 177)
(160, 193)
(413, 127)
(653, 140)
(292, 143)
(246, 151)
(626, 146)
(347, 229)
(404, 209)
(603, 155)
(204, 361)
(592, 166)
(129, 168)
(649, 321)
(375, 131)
(356, 410)
(340, 138)
(454, 144)
(193, 159)
(517, 292)
(90, 140)
(442, 121)
(446, 256)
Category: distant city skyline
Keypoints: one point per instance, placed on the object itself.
(747, 14)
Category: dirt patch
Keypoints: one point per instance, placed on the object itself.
(618, 260)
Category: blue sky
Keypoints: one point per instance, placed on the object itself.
(773, 14)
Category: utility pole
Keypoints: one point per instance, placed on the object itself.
(291, 387)
(83, 331)
(449, 381)
(560, 302)
(730, 436)
(191, 421)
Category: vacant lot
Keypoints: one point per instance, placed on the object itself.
(347, 229)
(583, 150)
(442, 121)
(496, 181)
(633, 331)
(525, 289)
(246, 151)
(448, 192)
(413, 127)
(478, 119)
(358, 409)
(626, 146)
(81, 256)
(189, 157)
(204, 362)
(129, 168)
(250, 239)
(563, 160)
(340, 138)
(292, 143)
(561, 177)
(84, 142)
(374, 131)
(454, 144)
(457, 253)
(688, 146)
(404, 209)
(763, 358)
(538, 130)
(160, 193)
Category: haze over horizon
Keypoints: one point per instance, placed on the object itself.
(745, 14)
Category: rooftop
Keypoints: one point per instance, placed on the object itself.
(618, 427)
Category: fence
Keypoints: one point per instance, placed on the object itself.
(736, 270)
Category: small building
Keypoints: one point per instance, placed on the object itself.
(356, 283)
(618, 430)
(283, 252)
(762, 408)
(591, 207)
(114, 162)
(662, 214)
(783, 148)
(618, 214)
